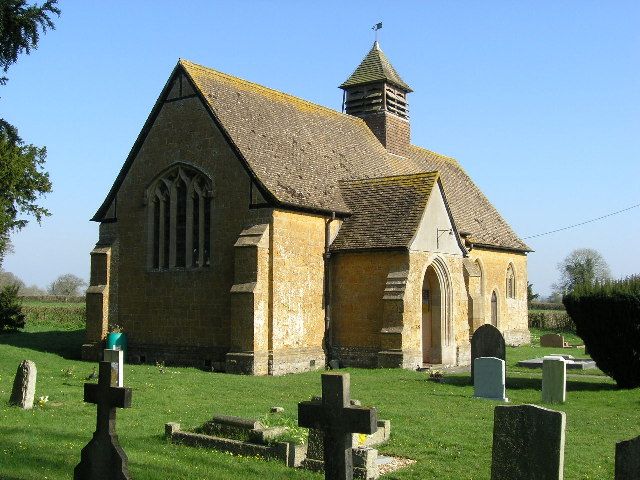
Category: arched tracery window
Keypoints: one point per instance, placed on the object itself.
(179, 216)
(511, 282)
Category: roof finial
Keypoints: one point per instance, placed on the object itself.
(375, 28)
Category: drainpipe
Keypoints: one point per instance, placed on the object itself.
(327, 341)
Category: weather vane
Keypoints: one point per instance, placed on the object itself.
(375, 28)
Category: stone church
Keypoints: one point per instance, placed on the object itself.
(251, 231)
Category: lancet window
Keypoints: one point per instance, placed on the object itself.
(511, 282)
(179, 219)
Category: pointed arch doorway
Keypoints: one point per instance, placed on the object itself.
(431, 317)
(438, 345)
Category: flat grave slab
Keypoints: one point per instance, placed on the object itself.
(572, 363)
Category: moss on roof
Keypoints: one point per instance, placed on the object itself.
(240, 84)
(386, 211)
(311, 157)
(374, 68)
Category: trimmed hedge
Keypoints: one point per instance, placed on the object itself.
(545, 306)
(53, 298)
(607, 318)
(551, 320)
(56, 315)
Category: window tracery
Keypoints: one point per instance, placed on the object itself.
(179, 217)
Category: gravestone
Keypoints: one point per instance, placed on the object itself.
(24, 385)
(103, 458)
(528, 443)
(489, 380)
(628, 459)
(487, 341)
(116, 358)
(552, 340)
(554, 379)
(338, 420)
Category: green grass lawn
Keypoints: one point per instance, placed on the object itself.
(440, 425)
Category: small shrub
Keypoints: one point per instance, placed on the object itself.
(11, 316)
(607, 318)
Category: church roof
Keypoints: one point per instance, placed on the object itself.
(374, 68)
(298, 150)
(386, 211)
(470, 208)
(302, 155)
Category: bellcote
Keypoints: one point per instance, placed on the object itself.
(376, 93)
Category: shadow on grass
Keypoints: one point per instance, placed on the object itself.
(66, 343)
(573, 385)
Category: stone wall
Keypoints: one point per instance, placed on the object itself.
(377, 303)
(512, 312)
(454, 329)
(358, 287)
(190, 308)
(297, 283)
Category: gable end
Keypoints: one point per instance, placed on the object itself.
(179, 87)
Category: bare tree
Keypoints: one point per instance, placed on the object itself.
(68, 285)
(583, 266)
(8, 278)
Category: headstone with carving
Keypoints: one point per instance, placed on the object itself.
(338, 420)
(554, 379)
(489, 380)
(528, 443)
(103, 458)
(487, 341)
(628, 459)
(24, 385)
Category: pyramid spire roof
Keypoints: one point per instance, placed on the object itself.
(375, 67)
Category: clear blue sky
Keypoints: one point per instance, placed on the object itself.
(538, 100)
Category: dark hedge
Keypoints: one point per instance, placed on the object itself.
(607, 318)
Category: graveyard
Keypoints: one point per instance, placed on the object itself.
(438, 424)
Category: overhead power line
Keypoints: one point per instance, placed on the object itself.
(583, 223)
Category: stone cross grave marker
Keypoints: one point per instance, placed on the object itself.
(528, 443)
(338, 420)
(487, 341)
(116, 358)
(554, 379)
(24, 385)
(628, 459)
(489, 380)
(103, 458)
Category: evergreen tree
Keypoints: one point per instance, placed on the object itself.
(22, 178)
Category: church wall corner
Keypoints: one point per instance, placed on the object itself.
(297, 245)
